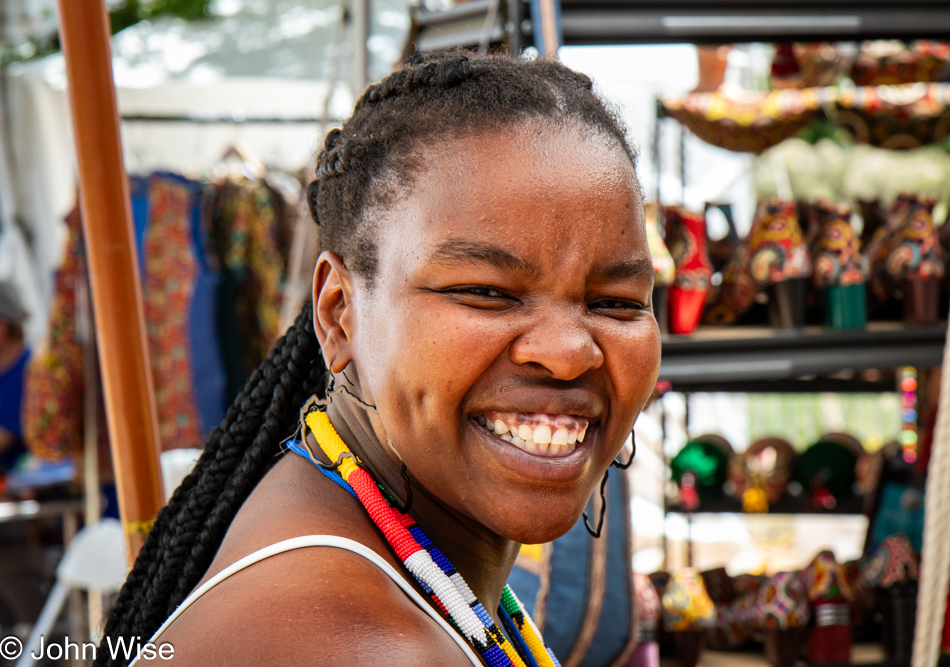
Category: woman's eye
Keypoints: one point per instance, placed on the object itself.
(617, 307)
(482, 296)
(488, 292)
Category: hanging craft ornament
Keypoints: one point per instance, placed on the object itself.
(427, 564)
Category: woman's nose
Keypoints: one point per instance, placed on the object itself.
(560, 343)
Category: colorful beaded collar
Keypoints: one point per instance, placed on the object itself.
(435, 574)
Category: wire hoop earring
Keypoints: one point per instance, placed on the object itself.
(623, 466)
(405, 478)
(603, 508)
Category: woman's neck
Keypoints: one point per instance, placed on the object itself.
(483, 558)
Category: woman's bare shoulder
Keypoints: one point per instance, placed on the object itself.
(314, 606)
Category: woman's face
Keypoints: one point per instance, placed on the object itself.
(509, 341)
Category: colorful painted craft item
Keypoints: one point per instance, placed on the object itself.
(686, 604)
(893, 62)
(777, 249)
(892, 571)
(895, 117)
(825, 580)
(735, 623)
(830, 597)
(647, 652)
(700, 469)
(826, 471)
(737, 291)
(760, 475)
(747, 121)
(895, 562)
(915, 251)
(686, 238)
(745, 584)
(906, 258)
(719, 586)
(840, 270)
(783, 602)
(648, 606)
(836, 253)
(664, 270)
(428, 565)
(782, 612)
(808, 64)
(721, 250)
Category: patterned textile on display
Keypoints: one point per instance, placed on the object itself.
(181, 245)
(251, 230)
(783, 602)
(686, 604)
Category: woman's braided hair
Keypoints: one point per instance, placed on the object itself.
(364, 164)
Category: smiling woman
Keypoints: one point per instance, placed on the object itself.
(480, 343)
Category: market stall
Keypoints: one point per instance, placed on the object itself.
(785, 311)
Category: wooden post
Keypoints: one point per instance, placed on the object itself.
(113, 266)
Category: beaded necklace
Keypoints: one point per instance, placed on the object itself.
(428, 565)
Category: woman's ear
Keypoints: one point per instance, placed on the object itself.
(333, 310)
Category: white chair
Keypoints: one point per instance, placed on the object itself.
(95, 560)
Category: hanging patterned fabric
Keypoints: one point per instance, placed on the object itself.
(53, 386)
(250, 237)
(169, 276)
(180, 291)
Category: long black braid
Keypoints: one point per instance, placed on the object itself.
(364, 165)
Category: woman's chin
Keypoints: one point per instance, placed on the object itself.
(539, 529)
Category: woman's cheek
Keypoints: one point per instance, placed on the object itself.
(634, 364)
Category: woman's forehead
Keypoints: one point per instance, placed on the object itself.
(552, 190)
(536, 149)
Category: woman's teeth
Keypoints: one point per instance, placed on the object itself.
(547, 435)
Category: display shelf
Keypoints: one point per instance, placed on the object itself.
(699, 21)
(866, 655)
(786, 505)
(786, 360)
(585, 22)
(465, 25)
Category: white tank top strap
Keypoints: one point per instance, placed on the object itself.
(305, 542)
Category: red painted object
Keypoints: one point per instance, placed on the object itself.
(830, 644)
(686, 238)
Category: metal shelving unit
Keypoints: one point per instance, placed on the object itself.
(584, 22)
(762, 359)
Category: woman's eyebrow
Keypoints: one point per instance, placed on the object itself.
(460, 250)
(641, 268)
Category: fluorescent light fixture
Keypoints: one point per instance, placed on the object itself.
(715, 24)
